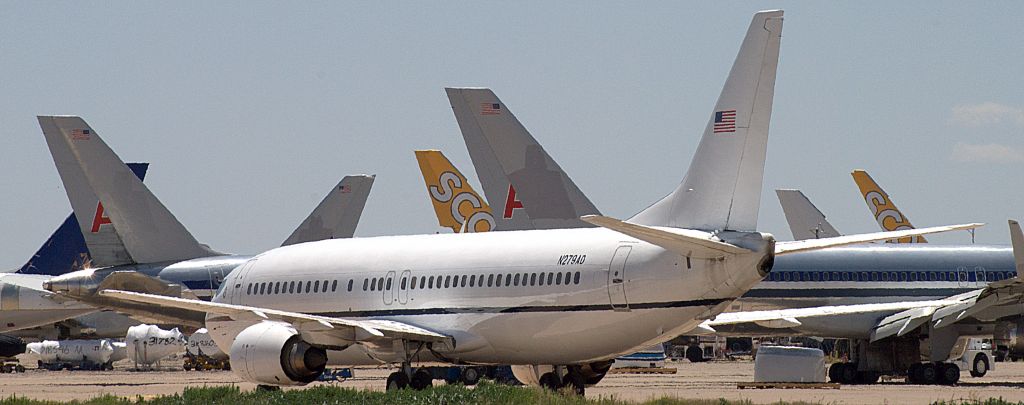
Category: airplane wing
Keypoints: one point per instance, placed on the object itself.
(321, 330)
(899, 318)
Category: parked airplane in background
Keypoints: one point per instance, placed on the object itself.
(29, 311)
(512, 167)
(860, 293)
(561, 302)
(882, 208)
(144, 246)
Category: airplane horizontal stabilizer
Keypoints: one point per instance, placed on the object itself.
(782, 248)
(687, 242)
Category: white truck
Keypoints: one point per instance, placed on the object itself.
(974, 355)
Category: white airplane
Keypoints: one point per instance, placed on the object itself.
(552, 302)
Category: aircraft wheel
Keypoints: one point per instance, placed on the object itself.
(914, 374)
(695, 354)
(949, 373)
(576, 382)
(848, 374)
(867, 377)
(979, 367)
(421, 379)
(397, 381)
(929, 374)
(833, 372)
(550, 381)
(470, 376)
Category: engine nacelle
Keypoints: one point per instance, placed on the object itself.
(273, 353)
(1009, 336)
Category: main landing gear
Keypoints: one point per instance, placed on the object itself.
(933, 373)
(846, 373)
(572, 380)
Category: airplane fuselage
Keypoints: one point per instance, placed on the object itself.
(523, 297)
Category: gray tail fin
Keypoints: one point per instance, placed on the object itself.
(805, 220)
(526, 187)
(148, 231)
(722, 188)
(338, 214)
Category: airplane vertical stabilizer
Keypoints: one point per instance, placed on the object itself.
(456, 204)
(805, 220)
(66, 250)
(882, 208)
(338, 214)
(527, 187)
(149, 231)
(722, 187)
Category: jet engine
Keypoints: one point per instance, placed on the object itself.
(11, 346)
(1009, 339)
(273, 353)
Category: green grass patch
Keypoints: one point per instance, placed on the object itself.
(485, 393)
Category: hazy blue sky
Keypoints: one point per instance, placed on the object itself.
(250, 111)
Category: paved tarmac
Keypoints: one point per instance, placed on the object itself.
(706, 380)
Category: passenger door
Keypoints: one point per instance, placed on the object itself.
(403, 287)
(389, 288)
(234, 295)
(617, 279)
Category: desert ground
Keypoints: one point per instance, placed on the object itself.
(703, 380)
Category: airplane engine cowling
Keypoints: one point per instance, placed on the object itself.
(273, 353)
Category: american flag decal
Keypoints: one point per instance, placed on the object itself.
(345, 188)
(80, 134)
(725, 121)
(490, 109)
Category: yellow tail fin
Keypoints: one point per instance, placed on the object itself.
(888, 216)
(456, 204)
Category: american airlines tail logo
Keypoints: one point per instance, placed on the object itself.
(462, 203)
(511, 203)
(99, 219)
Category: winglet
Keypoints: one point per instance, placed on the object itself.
(687, 242)
(1017, 240)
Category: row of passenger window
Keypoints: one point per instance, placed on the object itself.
(422, 282)
(293, 287)
(474, 280)
(890, 276)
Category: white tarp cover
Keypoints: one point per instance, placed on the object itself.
(120, 351)
(789, 364)
(148, 343)
(50, 351)
(202, 343)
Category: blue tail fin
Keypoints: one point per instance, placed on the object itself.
(65, 251)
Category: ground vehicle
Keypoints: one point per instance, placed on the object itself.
(974, 355)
